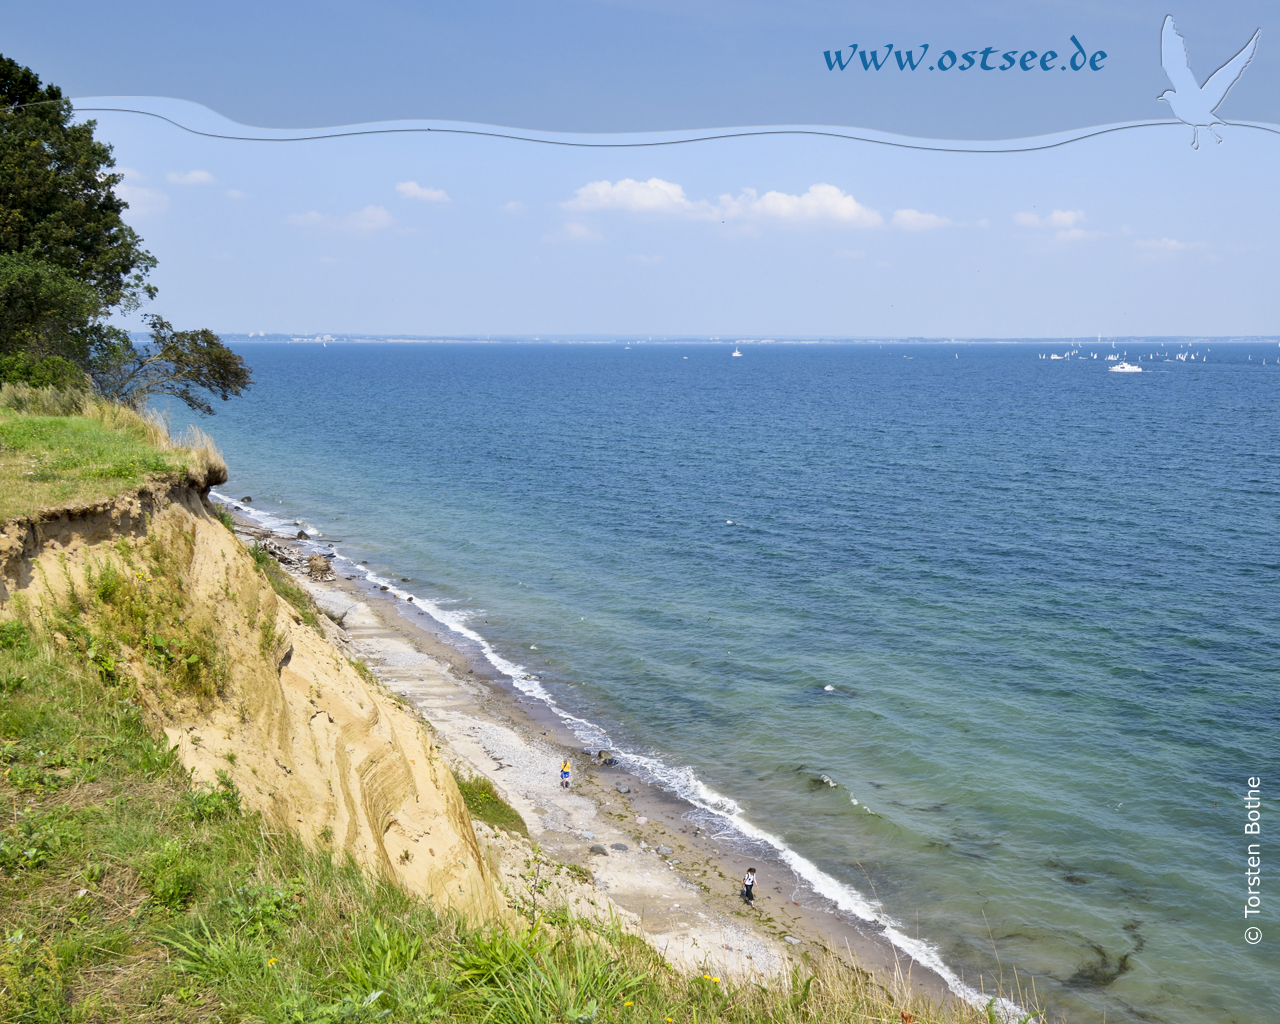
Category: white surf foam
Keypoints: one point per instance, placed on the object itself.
(682, 781)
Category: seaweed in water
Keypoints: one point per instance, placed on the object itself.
(1099, 973)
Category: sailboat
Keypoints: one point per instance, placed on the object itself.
(736, 353)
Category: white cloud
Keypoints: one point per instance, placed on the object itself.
(190, 178)
(412, 190)
(821, 203)
(143, 202)
(1162, 245)
(1074, 235)
(371, 218)
(1165, 248)
(234, 193)
(914, 220)
(574, 232)
(652, 196)
(1056, 219)
(514, 206)
(581, 233)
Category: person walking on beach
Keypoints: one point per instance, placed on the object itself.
(564, 775)
(748, 886)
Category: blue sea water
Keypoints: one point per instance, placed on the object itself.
(1023, 614)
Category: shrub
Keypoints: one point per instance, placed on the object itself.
(484, 803)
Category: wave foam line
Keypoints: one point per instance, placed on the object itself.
(682, 781)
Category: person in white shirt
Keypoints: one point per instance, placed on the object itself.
(748, 885)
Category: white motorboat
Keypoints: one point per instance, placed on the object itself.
(1123, 367)
(736, 353)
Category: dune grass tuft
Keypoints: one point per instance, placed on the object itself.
(482, 800)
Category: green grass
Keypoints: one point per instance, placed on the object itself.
(126, 894)
(88, 451)
(50, 460)
(221, 514)
(282, 583)
(484, 803)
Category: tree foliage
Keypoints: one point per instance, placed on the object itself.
(50, 372)
(181, 364)
(44, 310)
(68, 260)
(58, 200)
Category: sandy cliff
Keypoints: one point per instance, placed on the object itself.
(242, 685)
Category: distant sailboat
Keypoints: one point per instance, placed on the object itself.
(736, 353)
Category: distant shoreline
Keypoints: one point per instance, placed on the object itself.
(726, 340)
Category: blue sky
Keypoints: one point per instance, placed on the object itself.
(634, 65)
(1130, 233)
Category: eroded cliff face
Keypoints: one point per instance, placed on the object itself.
(161, 593)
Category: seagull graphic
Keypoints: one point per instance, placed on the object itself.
(1191, 102)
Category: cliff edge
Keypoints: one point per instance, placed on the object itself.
(171, 607)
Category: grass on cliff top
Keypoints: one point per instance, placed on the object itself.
(67, 448)
(127, 895)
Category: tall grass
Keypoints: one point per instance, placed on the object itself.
(69, 447)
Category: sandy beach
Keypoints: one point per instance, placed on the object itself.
(655, 863)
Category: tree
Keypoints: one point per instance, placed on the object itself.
(44, 310)
(50, 372)
(57, 193)
(177, 363)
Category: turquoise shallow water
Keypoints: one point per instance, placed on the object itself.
(1044, 597)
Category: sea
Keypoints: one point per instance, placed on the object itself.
(983, 640)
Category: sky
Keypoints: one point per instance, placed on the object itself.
(1127, 233)
(636, 65)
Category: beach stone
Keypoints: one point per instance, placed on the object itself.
(641, 819)
(334, 603)
(246, 498)
(597, 848)
(587, 835)
(302, 535)
(618, 846)
(622, 789)
(360, 615)
(791, 940)
(663, 851)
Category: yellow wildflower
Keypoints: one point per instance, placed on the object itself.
(716, 980)
(271, 961)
